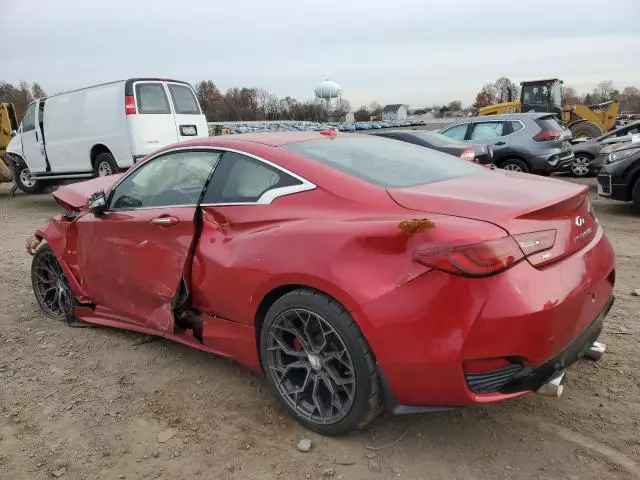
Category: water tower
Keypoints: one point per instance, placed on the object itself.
(329, 91)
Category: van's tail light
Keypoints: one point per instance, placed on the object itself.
(130, 105)
(468, 155)
(483, 259)
(546, 136)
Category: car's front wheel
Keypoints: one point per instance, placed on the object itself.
(635, 195)
(50, 284)
(319, 364)
(581, 166)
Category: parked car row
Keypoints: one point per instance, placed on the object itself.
(591, 155)
(295, 126)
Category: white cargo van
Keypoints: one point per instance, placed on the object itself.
(101, 130)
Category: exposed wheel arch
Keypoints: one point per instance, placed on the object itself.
(275, 293)
(96, 150)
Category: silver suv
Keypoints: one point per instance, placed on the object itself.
(523, 142)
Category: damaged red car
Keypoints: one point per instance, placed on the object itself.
(358, 273)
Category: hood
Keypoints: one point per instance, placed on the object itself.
(74, 196)
(626, 144)
(608, 141)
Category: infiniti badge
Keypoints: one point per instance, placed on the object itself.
(579, 221)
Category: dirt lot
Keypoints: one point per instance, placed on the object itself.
(90, 403)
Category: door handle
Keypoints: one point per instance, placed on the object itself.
(165, 221)
(499, 143)
(37, 139)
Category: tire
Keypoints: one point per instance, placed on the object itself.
(50, 285)
(581, 167)
(635, 195)
(330, 346)
(585, 130)
(24, 181)
(104, 165)
(515, 165)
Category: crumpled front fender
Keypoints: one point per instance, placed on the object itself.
(61, 236)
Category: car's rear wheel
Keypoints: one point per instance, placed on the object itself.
(104, 165)
(319, 364)
(515, 165)
(50, 284)
(581, 165)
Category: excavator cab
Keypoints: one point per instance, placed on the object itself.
(542, 96)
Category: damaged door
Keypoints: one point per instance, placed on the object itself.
(132, 257)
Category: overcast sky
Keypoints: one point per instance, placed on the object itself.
(402, 51)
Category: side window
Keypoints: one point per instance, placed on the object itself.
(152, 98)
(457, 132)
(242, 179)
(514, 126)
(170, 180)
(487, 130)
(29, 119)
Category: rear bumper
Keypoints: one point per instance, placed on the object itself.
(553, 161)
(423, 332)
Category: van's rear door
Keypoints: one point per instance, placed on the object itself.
(190, 122)
(152, 125)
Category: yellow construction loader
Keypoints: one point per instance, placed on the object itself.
(584, 121)
(8, 125)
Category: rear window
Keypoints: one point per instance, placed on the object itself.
(151, 98)
(184, 101)
(435, 139)
(550, 123)
(385, 162)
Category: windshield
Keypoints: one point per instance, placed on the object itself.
(385, 162)
(556, 94)
(435, 139)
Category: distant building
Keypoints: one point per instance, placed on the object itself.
(350, 118)
(396, 111)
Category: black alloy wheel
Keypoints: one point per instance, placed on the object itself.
(318, 362)
(50, 285)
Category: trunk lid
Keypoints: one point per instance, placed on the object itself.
(75, 196)
(518, 203)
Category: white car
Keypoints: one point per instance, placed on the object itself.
(100, 130)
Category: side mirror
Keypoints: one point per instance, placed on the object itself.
(97, 203)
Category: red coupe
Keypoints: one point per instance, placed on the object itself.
(356, 272)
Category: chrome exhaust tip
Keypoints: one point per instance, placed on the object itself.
(554, 387)
(595, 351)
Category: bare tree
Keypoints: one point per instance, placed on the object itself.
(504, 90)
(603, 92)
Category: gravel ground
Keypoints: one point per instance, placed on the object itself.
(99, 403)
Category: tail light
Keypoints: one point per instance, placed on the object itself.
(468, 155)
(129, 105)
(546, 136)
(486, 258)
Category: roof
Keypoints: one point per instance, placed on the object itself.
(272, 139)
(394, 107)
(506, 116)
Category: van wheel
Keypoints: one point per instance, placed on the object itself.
(104, 165)
(515, 165)
(25, 181)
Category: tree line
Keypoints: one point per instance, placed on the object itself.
(504, 90)
(250, 104)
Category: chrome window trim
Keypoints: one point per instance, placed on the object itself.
(265, 199)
